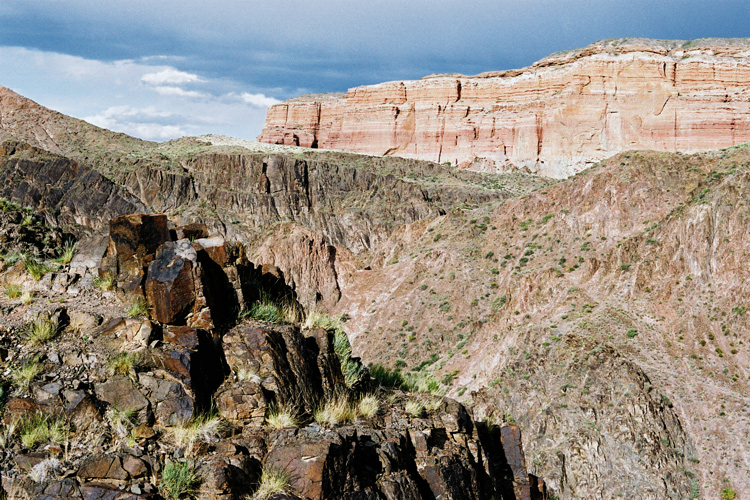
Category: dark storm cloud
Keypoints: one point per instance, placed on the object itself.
(285, 47)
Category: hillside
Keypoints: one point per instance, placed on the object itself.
(556, 117)
(605, 315)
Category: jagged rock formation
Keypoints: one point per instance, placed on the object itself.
(107, 409)
(555, 117)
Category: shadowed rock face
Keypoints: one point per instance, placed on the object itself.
(556, 117)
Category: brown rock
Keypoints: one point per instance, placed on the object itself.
(191, 232)
(121, 394)
(134, 238)
(134, 466)
(170, 284)
(102, 467)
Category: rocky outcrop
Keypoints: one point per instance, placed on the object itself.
(124, 401)
(555, 117)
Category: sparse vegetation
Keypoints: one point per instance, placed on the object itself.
(387, 377)
(41, 331)
(37, 428)
(13, 291)
(281, 416)
(105, 282)
(122, 420)
(335, 411)
(66, 253)
(179, 479)
(265, 310)
(122, 363)
(22, 377)
(36, 268)
(368, 406)
(138, 307)
(414, 408)
(203, 428)
(353, 370)
(273, 481)
(728, 494)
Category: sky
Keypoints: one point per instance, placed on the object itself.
(160, 69)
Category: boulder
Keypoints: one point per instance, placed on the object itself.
(170, 283)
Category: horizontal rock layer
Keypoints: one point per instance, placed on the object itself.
(555, 117)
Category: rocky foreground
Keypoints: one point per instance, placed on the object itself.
(556, 117)
(130, 373)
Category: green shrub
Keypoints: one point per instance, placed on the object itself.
(728, 494)
(179, 479)
(122, 363)
(632, 332)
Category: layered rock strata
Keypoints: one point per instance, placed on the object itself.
(555, 117)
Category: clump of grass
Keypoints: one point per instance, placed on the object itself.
(36, 268)
(291, 312)
(179, 479)
(205, 428)
(105, 282)
(37, 428)
(368, 406)
(13, 291)
(65, 254)
(122, 363)
(122, 420)
(22, 377)
(423, 382)
(414, 408)
(6, 434)
(317, 319)
(273, 481)
(41, 331)
(138, 307)
(27, 297)
(390, 378)
(265, 310)
(281, 416)
(337, 410)
(248, 374)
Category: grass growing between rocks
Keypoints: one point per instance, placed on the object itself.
(13, 291)
(414, 408)
(273, 481)
(22, 377)
(37, 428)
(121, 420)
(281, 416)
(179, 479)
(338, 410)
(122, 363)
(204, 428)
(352, 370)
(368, 406)
(36, 268)
(41, 331)
(66, 253)
(138, 308)
(105, 282)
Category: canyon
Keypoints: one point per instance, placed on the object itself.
(556, 117)
(597, 324)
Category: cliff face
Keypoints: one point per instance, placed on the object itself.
(555, 117)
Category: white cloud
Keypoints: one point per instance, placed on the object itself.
(170, 76)
(259, 100)
(146, 97)
(169, 90)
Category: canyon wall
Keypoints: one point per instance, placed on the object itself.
(555, 117)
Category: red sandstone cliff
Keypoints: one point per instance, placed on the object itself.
(555, 117)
